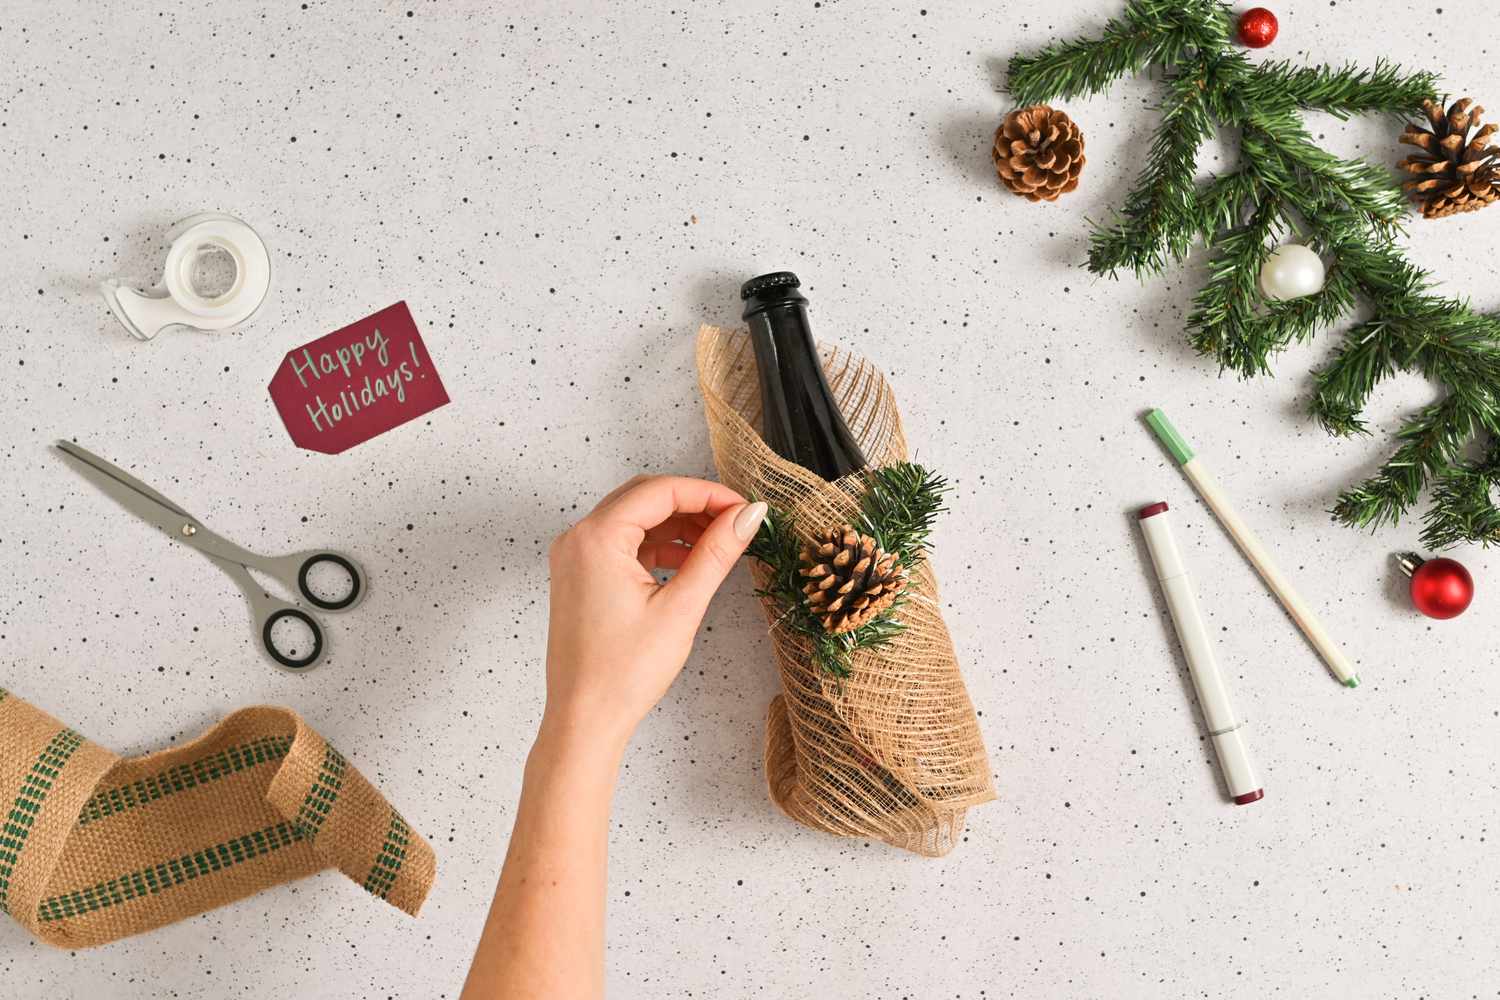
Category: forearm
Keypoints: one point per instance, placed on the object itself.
(544, 937)
(616, 639)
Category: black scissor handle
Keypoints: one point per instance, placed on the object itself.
(356, 580)
(300, 663)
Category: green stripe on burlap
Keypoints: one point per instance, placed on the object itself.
(3, 693)
(169, 874)
(392, 855)
(23, 812)
(323, 794)
(231, 760)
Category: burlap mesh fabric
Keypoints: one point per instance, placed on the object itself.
(95, 847)
(894, 751)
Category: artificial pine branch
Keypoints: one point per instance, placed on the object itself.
(1158, 219)
(1150, 32)
(1319, 177)
(1348, 210)
(900, 506)
(1279, 323)
(1430, 443)
(1462, 509)
(1224, 306)
(1342, 92)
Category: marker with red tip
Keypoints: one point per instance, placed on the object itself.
(1225, 728)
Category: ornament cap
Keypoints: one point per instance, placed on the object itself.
(1408, 562)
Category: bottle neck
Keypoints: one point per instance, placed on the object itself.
(800, 419)
(785, 324)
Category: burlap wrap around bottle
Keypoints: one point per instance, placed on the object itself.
(94, 847)
(893, 751)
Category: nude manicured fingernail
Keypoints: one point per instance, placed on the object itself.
(747, 521)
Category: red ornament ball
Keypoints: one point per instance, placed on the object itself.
(1257, 27)
(1441, 588)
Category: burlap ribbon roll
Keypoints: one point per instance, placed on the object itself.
(94, 847)
(894, 751)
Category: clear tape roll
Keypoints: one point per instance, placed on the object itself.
(217, 274)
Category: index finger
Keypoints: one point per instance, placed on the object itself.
(651, 501)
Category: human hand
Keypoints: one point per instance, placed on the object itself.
(616, 638)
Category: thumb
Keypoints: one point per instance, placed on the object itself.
(713, 555)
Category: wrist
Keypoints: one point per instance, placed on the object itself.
(568, 740)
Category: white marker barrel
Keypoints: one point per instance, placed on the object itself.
(1224, 727)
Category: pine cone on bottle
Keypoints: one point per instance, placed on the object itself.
(1454, 172)
(1038, 153)
(850, 578)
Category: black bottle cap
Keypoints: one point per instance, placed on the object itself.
(777, 289)
(768, 283)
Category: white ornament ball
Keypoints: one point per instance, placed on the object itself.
(1291, 272)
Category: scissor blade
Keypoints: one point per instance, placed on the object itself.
(127, 491)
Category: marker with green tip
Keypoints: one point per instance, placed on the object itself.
(1250, 546)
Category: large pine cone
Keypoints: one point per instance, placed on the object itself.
(850, 579)
(1454, 172)
(1039, 153)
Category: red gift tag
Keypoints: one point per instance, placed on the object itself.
(357, 382)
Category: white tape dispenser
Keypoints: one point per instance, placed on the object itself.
(218, 272)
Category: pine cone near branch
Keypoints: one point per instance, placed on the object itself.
(850, 578)
(1454, 172)
(1038, 153)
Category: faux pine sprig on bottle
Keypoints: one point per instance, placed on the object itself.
(843, 590)
(1346, 210)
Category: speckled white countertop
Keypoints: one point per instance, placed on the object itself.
(562, 192)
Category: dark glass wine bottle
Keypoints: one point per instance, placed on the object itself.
(799, 419)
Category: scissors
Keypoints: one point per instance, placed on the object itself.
(266, 612)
